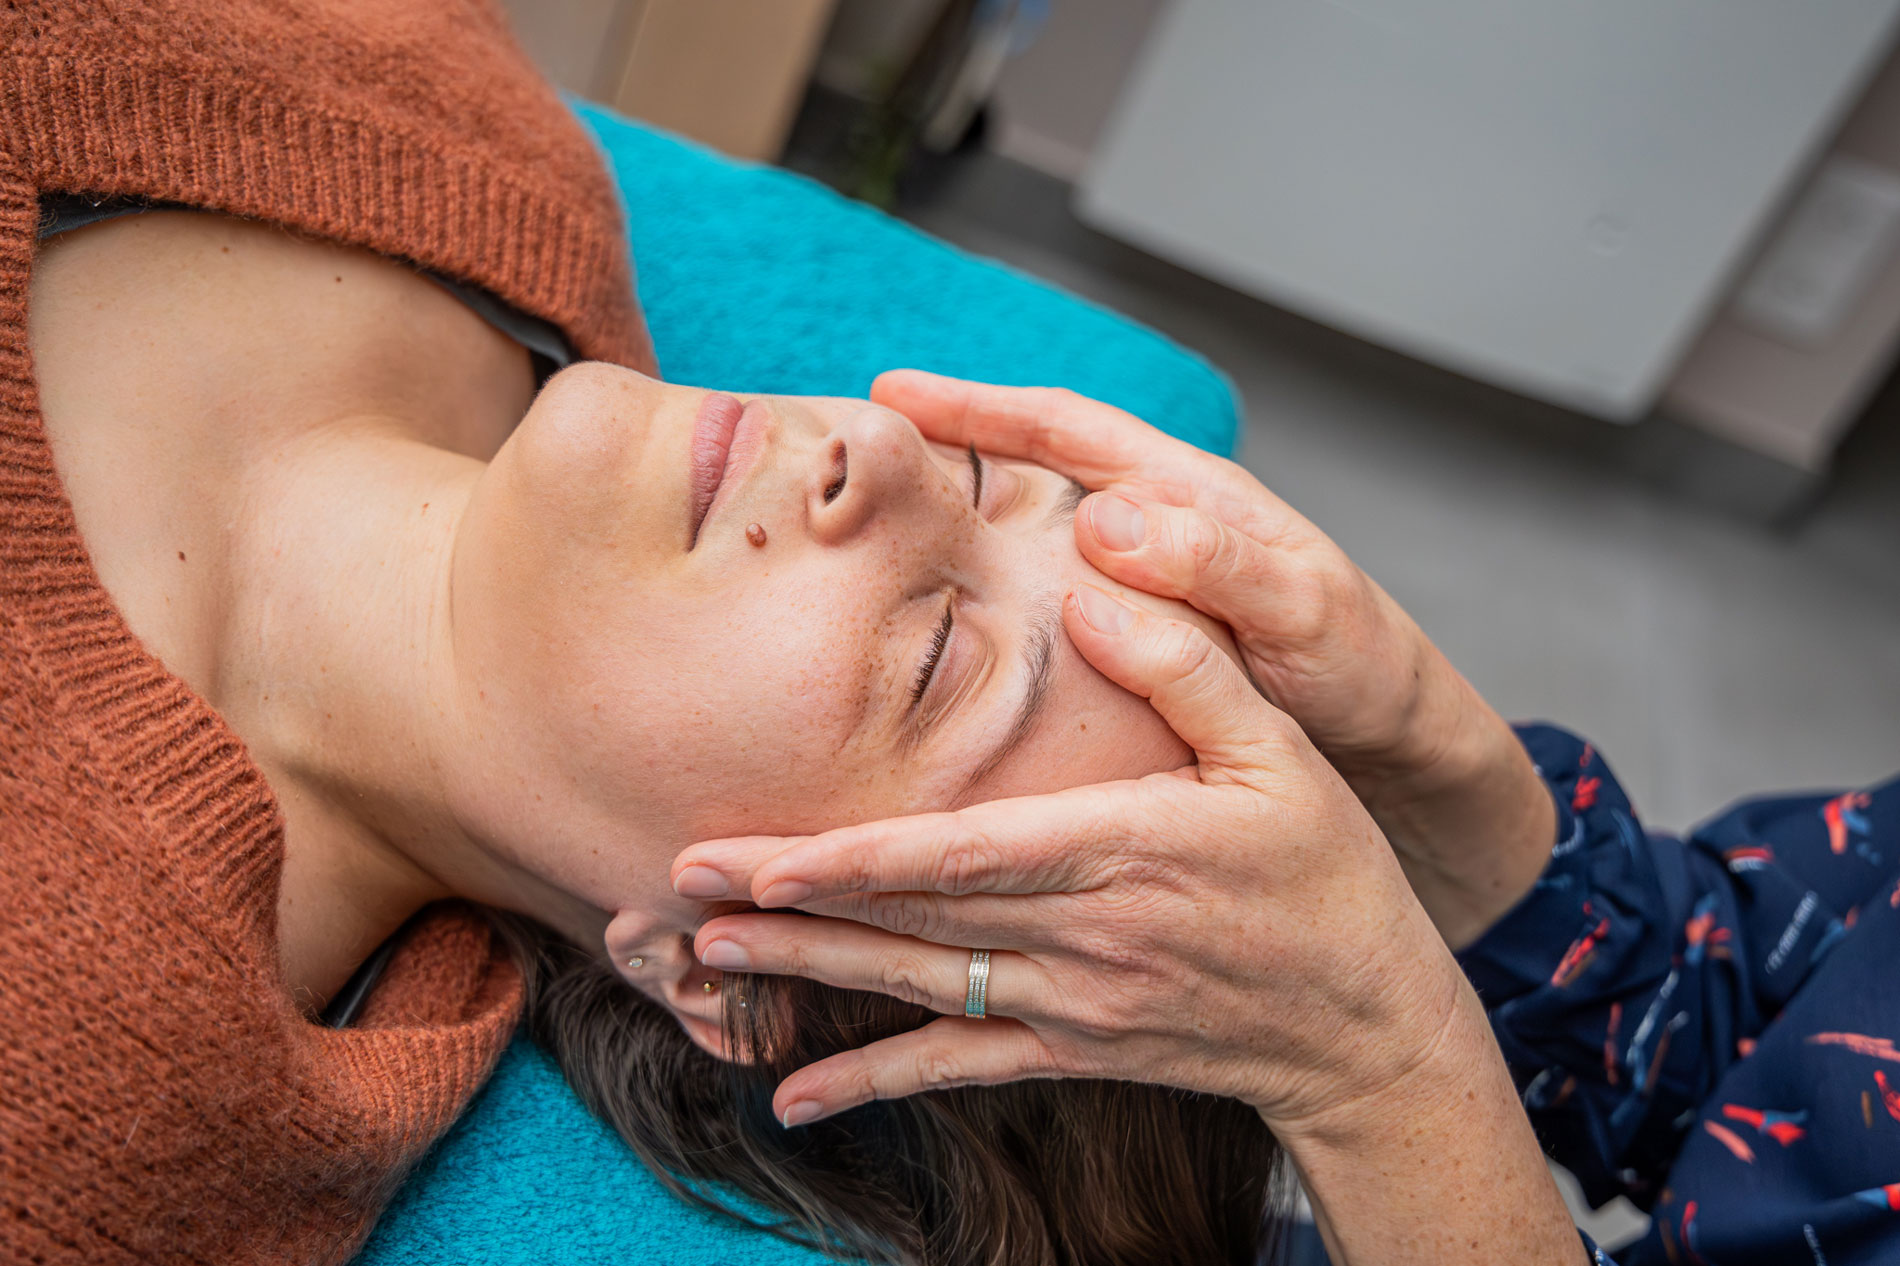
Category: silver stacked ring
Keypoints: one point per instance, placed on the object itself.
(976, 1000)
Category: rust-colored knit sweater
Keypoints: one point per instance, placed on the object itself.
(161, 1098)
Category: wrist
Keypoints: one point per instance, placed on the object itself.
(1421, 734)
(1445, 735)
(1409, 1006)
(1462, 805)
(1439, 1165)
(1373, 1105)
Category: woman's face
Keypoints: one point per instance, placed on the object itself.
(893, 645)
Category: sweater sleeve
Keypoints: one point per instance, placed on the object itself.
(1641, 966)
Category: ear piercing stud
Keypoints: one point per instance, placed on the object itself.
(711, 986)
(636, 962)
(755, 532)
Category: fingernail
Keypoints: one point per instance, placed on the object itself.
(702, 882)
(802, 1111)
(786, 892)
(726, 956)
(1118, 522)
(1103, 613)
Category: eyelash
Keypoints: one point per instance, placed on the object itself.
(935, 654)
(927, 671)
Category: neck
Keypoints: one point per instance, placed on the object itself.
(268, 469)
(335, 665)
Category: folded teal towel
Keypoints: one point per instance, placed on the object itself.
(757, 280)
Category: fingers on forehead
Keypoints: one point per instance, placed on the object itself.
(1085, 439)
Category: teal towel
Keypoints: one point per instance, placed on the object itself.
(757, 280)
(754, 279)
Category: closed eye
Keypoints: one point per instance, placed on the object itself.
(928, 669)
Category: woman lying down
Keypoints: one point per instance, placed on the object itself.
(519, 648)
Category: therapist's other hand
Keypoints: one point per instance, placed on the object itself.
(1241, 929)
(1440, 771)
(1324, 642)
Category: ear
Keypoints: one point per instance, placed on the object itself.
(659, 962)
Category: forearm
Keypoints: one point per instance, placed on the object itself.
(1471, 821)
(1441, 1166)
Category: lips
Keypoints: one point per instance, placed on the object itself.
(712, 449)
(727, 437)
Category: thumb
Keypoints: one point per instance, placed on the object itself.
(1182, 552)
(1199, 692)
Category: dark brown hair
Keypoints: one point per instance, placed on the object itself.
(1041, 1173)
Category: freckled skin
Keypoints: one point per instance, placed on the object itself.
(668, 694)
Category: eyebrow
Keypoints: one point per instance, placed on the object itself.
(1045, 625)
(1062, 509)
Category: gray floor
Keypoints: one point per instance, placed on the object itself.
(1709, 657)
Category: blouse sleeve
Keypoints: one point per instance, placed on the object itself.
(1641, 965)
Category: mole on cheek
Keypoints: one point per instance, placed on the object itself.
(755, 533)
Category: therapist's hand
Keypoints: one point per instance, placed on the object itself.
(1240, 929)
(1440, 771)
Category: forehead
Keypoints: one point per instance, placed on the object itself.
(1090, 730)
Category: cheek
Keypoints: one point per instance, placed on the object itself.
(731, 719)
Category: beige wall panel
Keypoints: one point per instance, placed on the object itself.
(570, 39)
(730, 73)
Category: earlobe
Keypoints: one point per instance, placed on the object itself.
(694, 996)
(707, 1035)
(659, 962)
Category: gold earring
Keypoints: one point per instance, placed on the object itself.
(711, 986)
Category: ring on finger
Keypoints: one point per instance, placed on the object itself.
(976, 998)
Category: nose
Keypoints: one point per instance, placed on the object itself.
(872, 467)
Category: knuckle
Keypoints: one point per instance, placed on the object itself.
(902, 976)
(1328, 587)
(864, 1077)
(941, 1069)
(1210, 548)
(1182, 649)
(908, 916)
(850, 872)
(787, 955)
(967, 860)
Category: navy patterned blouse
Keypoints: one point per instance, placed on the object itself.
(1711, 1025)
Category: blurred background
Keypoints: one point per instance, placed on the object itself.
(1575, 324)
